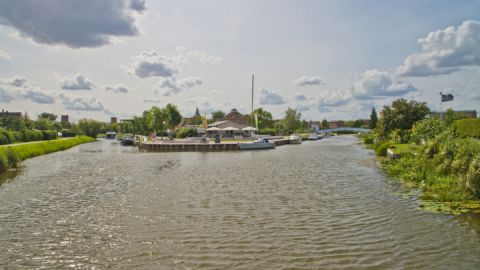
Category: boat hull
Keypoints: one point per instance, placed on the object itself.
(255, 146)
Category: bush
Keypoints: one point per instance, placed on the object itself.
(381, 148)
(427, 129)
(3, 138)
(32, 135)
(68, 133)
(49, 135)
(368, 140)
(3, 160)
(186, 132)
(268, 131)
(467, 128)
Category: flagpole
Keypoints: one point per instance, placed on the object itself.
(441, 107)
(251, 116)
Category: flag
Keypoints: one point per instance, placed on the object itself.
(446, 97)
(256, 121)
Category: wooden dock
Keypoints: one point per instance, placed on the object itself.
(184, 146)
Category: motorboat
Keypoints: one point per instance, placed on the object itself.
(261, 143)
(295, 139)
(127, 141)
(110, 135)
(312, 137)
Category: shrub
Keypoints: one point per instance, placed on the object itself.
(186, 132)
(32, 135)
(427, 129)
(68, 133)
(381, 148)
(467, 128)
(268, 131)
(49, 135)
(3, 138)
(368, 140)
(3, 160)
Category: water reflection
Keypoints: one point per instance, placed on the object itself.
(317, 205)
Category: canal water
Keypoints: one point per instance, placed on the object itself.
(319, 205)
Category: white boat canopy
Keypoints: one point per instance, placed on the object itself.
(230, 128)
(249, 129)
(213, 129)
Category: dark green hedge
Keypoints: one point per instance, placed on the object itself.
(467, 128)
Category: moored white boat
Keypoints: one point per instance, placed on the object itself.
(295, 139)
(312, 136)
(262, 143)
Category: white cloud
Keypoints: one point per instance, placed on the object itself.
(5, 96)
(4, 54)
(137, 5)
(151, 100)
(151, 64)
(308, 81)
(216, 92)
(201, 56)
(81, 104)
(329, 99)
(302, 107)
(119, 89)
(17, 81)
(300, 97)
(445, 51)
(38, 97)
(475, 96)
(77, 82)
(374, 84)
(270, 97)
(171, 86)
(76, 24)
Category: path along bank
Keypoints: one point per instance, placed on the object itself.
(11, 155)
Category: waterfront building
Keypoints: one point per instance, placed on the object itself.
(336, 124)
(4, 113)
(235, 116)
(459, 114)
(64, 118)
(234, 121)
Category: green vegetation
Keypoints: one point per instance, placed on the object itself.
(373, 119)
(440, 156)
(11, 155)
(186, 132)
(467, 128)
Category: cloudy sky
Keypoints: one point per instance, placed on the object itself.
(329, 59)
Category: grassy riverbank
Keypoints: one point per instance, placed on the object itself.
(446, 170)
(10, 155)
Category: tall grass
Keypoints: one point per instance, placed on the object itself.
(11, 155)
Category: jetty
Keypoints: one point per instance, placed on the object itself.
(196, 145)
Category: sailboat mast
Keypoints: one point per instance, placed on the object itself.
(251, 117)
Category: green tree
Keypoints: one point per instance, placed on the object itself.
(325, 124)
(217, 115)
(43, 124)
(291, 121)
(373, 119)
(173, 116)
(52, 117)
(265, 118)
(156, 119)
(140, 125)
(428, 128)
(400, 116)
(90, 127)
